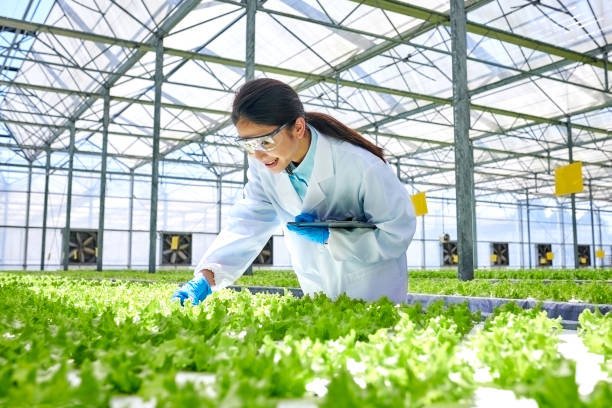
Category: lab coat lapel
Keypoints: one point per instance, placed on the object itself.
(287, 194)
(323, 169)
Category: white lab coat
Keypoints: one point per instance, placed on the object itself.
(346, 182)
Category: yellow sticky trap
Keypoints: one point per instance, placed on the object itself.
(583, 260)
(550, 256)
(543, 261)
(493, 258)
(455, 258)
(600, 253)
(175, 243)
(420, 203)
(568, 179)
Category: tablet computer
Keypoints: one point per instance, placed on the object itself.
(334, 224)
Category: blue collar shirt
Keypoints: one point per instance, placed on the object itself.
(300, 175)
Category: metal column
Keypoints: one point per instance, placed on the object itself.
(249, 74)
(464, 159)
(570, 146)
(27, 221)
(528, 227)
(46, 202)
(66, 237)
(594, 258)
(563, 256)
(423, 242)
(105, 122)
(130, 219)
(520, 214)
(606, 81)
(251, 8)
(219, 203)
(159, 77)
(601, 265)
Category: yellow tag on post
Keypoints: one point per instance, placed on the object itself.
(600, 253)
(420, 203)
(493, 258)
(568, 179)
(174, 244)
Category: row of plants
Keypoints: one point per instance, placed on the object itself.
(554, 290)
(564, 291)
(83, 342)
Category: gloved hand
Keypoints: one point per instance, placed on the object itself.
(316, 234)
(196, 289)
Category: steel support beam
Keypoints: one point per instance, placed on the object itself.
(529, 250)
(249, 74)
(602, 263)
(159, 78)
(102, 201)
(482, 30)
(66, 237)
(520, 215)
(45, 205)
(131, 220)
(570, 149)
(464, 159)
(219, 202)
(117, 173)
(593, 252)
(27, 220)
(563, 242)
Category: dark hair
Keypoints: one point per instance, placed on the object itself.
(271, 102)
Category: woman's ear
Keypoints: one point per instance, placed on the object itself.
(300, 127)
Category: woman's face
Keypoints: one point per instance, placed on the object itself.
(291, 143)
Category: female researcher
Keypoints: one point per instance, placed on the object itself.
(307, 166)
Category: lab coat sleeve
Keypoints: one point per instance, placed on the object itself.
(250, 224)
(385, 203)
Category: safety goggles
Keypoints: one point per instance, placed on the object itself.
(264, 142)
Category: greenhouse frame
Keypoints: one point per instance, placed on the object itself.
(114, 122)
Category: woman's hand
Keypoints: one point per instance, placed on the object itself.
(196, 289)
(316, 234)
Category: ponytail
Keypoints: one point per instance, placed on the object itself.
(338, 130)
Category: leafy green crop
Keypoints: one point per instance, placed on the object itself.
(70, 341)
(593, 292)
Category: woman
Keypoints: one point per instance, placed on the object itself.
(307, 166)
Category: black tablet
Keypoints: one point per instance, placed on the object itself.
(334, 224)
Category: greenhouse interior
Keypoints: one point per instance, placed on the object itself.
(134, 274)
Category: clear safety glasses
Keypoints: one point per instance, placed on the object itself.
(264, 142)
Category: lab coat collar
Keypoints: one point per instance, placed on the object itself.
(323, 170)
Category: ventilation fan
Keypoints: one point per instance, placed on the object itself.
(450, 255)
(265, 256)
(82, 247)
(584, 255)
(499, 254)
(545, 254)
(176, 249)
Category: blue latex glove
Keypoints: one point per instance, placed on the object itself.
(196, 289)
(316, 234)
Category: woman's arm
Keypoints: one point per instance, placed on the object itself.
(249, 226)
(385, 203)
